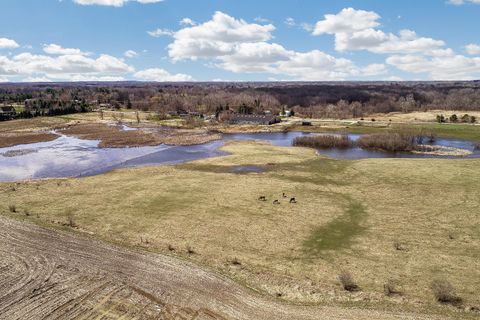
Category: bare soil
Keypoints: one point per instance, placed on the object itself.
(113, 136)
(16, 138)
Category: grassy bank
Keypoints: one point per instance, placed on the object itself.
(377, 219)
(454, 131)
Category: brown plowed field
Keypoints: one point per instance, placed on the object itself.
(47, 274)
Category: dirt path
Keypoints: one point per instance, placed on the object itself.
(46, 274)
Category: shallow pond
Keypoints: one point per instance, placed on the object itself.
(72, 157)
(355, 153)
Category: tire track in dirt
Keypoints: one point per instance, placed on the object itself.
(46, 274)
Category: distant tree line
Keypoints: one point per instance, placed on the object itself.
(315, 100)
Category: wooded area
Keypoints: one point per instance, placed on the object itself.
(311, 99)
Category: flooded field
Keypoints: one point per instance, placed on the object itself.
(72, 157)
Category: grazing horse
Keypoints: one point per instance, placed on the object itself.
(276, 202)
(262, 198)
(293, 200)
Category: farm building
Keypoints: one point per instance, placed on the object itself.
(254, 119)
(7, 112)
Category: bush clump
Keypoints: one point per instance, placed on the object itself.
(157, 117)
(12, 208)
(347, 281)
(324, 141)
(393, 141)
(391, 288)
(445, 293)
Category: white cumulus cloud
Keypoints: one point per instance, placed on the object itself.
(112, 3)
(161, 75)
(218, 36)
(157, 33)
(461, 2)
(63, 64)
(55, 49)
(452, 67)
(472, 49)
(6, 43)
(130, 54)
(242, 47)
(357, 30)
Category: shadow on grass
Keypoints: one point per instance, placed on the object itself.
(338, 234)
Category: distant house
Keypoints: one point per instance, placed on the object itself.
(7, 112)
(105, 106)
(184, 113)
(254, 119)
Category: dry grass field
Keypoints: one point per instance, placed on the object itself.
(403, 221)
(418, 116)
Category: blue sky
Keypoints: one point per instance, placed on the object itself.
(205, 40)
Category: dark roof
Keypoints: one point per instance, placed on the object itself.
(7, 109)
(258, 118)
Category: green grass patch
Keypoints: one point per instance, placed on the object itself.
(338, 234)
(444, 130)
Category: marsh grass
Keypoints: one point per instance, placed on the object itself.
(324, 141)
(390, 142)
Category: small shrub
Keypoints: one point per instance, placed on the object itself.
(157, 117)
(400, 246)
(473, 119)
(390, 288)
(445, 293)
(27, 212)
(71, 220)
(137, 116)
(440, 118)
(324, 141)
(347, 281)
(171, 248)
(236, 262)
(453, 118)
(194, 122)
(190, 250)
(118, 117)
(465, 118)
(12, 208)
